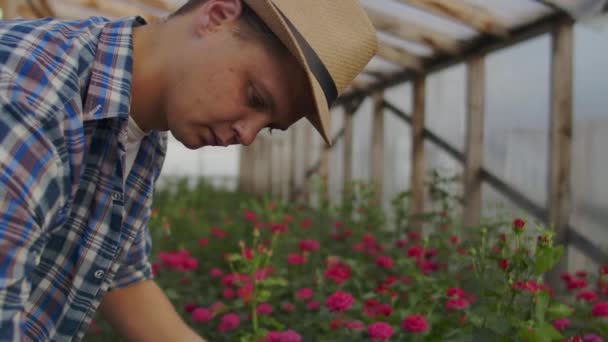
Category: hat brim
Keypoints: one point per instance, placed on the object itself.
(267, 11)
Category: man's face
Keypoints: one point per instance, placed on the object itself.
(226, 89)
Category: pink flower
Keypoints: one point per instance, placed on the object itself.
(229, 322)
(313, 305)
(380, 331)
(264, 273)
(456, 292)
(415, 252)
(264, 309)
(561, 324)
(338, 272)
(339, 301)
(592, 338)
(248, 253)
(518, 225)
(285, 336)
(384, 262)
(354, 325)
(202, 315)
(454, 239)
(415, 324)
(308, 245)
(503, 263)
(600, 309)
(296, 259)
(587, 295)
(218, 233)
(228, 293)
(216, 272)
(577, 284)
(203, 242)
(457, 304)
(304, 293)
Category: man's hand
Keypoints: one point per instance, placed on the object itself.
(142, 312)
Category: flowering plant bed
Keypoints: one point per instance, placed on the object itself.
(240, 268)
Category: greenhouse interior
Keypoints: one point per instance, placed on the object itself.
(462, 198)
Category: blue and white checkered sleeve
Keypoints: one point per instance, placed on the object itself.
(30, 196)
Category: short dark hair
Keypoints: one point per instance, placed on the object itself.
(249, 18)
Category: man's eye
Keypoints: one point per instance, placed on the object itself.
(255, 101)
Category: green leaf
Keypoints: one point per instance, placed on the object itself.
(263, 295)
(542, 301)
(275, 281)
(484, 335)
(549, 332)
(559, 311)
(544, 260)
(496, 323)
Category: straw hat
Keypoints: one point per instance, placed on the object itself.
(332, 39)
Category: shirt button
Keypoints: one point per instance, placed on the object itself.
(99, 274)
(116, 196)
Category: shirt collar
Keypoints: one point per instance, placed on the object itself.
(109, 87)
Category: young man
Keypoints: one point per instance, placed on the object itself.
(85, 107)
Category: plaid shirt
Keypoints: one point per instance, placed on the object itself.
(69, 231)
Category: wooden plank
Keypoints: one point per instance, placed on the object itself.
(418, 153)
(477, 17)
(399, 56)
(325, 154)
(411, 31)
(307, 160)
(10, 9)
(474, 141)
(348, 152)
(560, 138)
(377, 148)
(293, 154)
(483, 45)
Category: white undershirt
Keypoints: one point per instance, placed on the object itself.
(134, 137)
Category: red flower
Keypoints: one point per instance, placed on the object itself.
(380, 331)
(414, 236)
(335, 323)
(203, 242)
(581, 274)
(518, 225)
(339, 301)
(248, 253)
(308, 245)
(401, 243)
(229, 322)
(415, 251)
(306, 223)
(604, 270)
(189, 307)
(456, 292)
(587, 295)
(577, 284)
(384, 262)
(415, 324)
(561, 324)
(600, 309)
(503, 263)
(264, 309)
(250, 216)
(338, 271)
(304, 293)
(202, 315)
(454, 239)
(566, 277)
(296, 259)
(278, 228)
(313, 305)
(457, 304)
(216, 272)
(288, 307)
(264, 273)
(218, 233)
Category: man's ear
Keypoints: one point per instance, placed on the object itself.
(216, 13)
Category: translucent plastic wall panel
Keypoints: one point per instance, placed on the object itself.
(447, 167)
(362, 135)
(590, 137)
(517, 116)
(446, 104)
(496, 207)
(398, 142)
